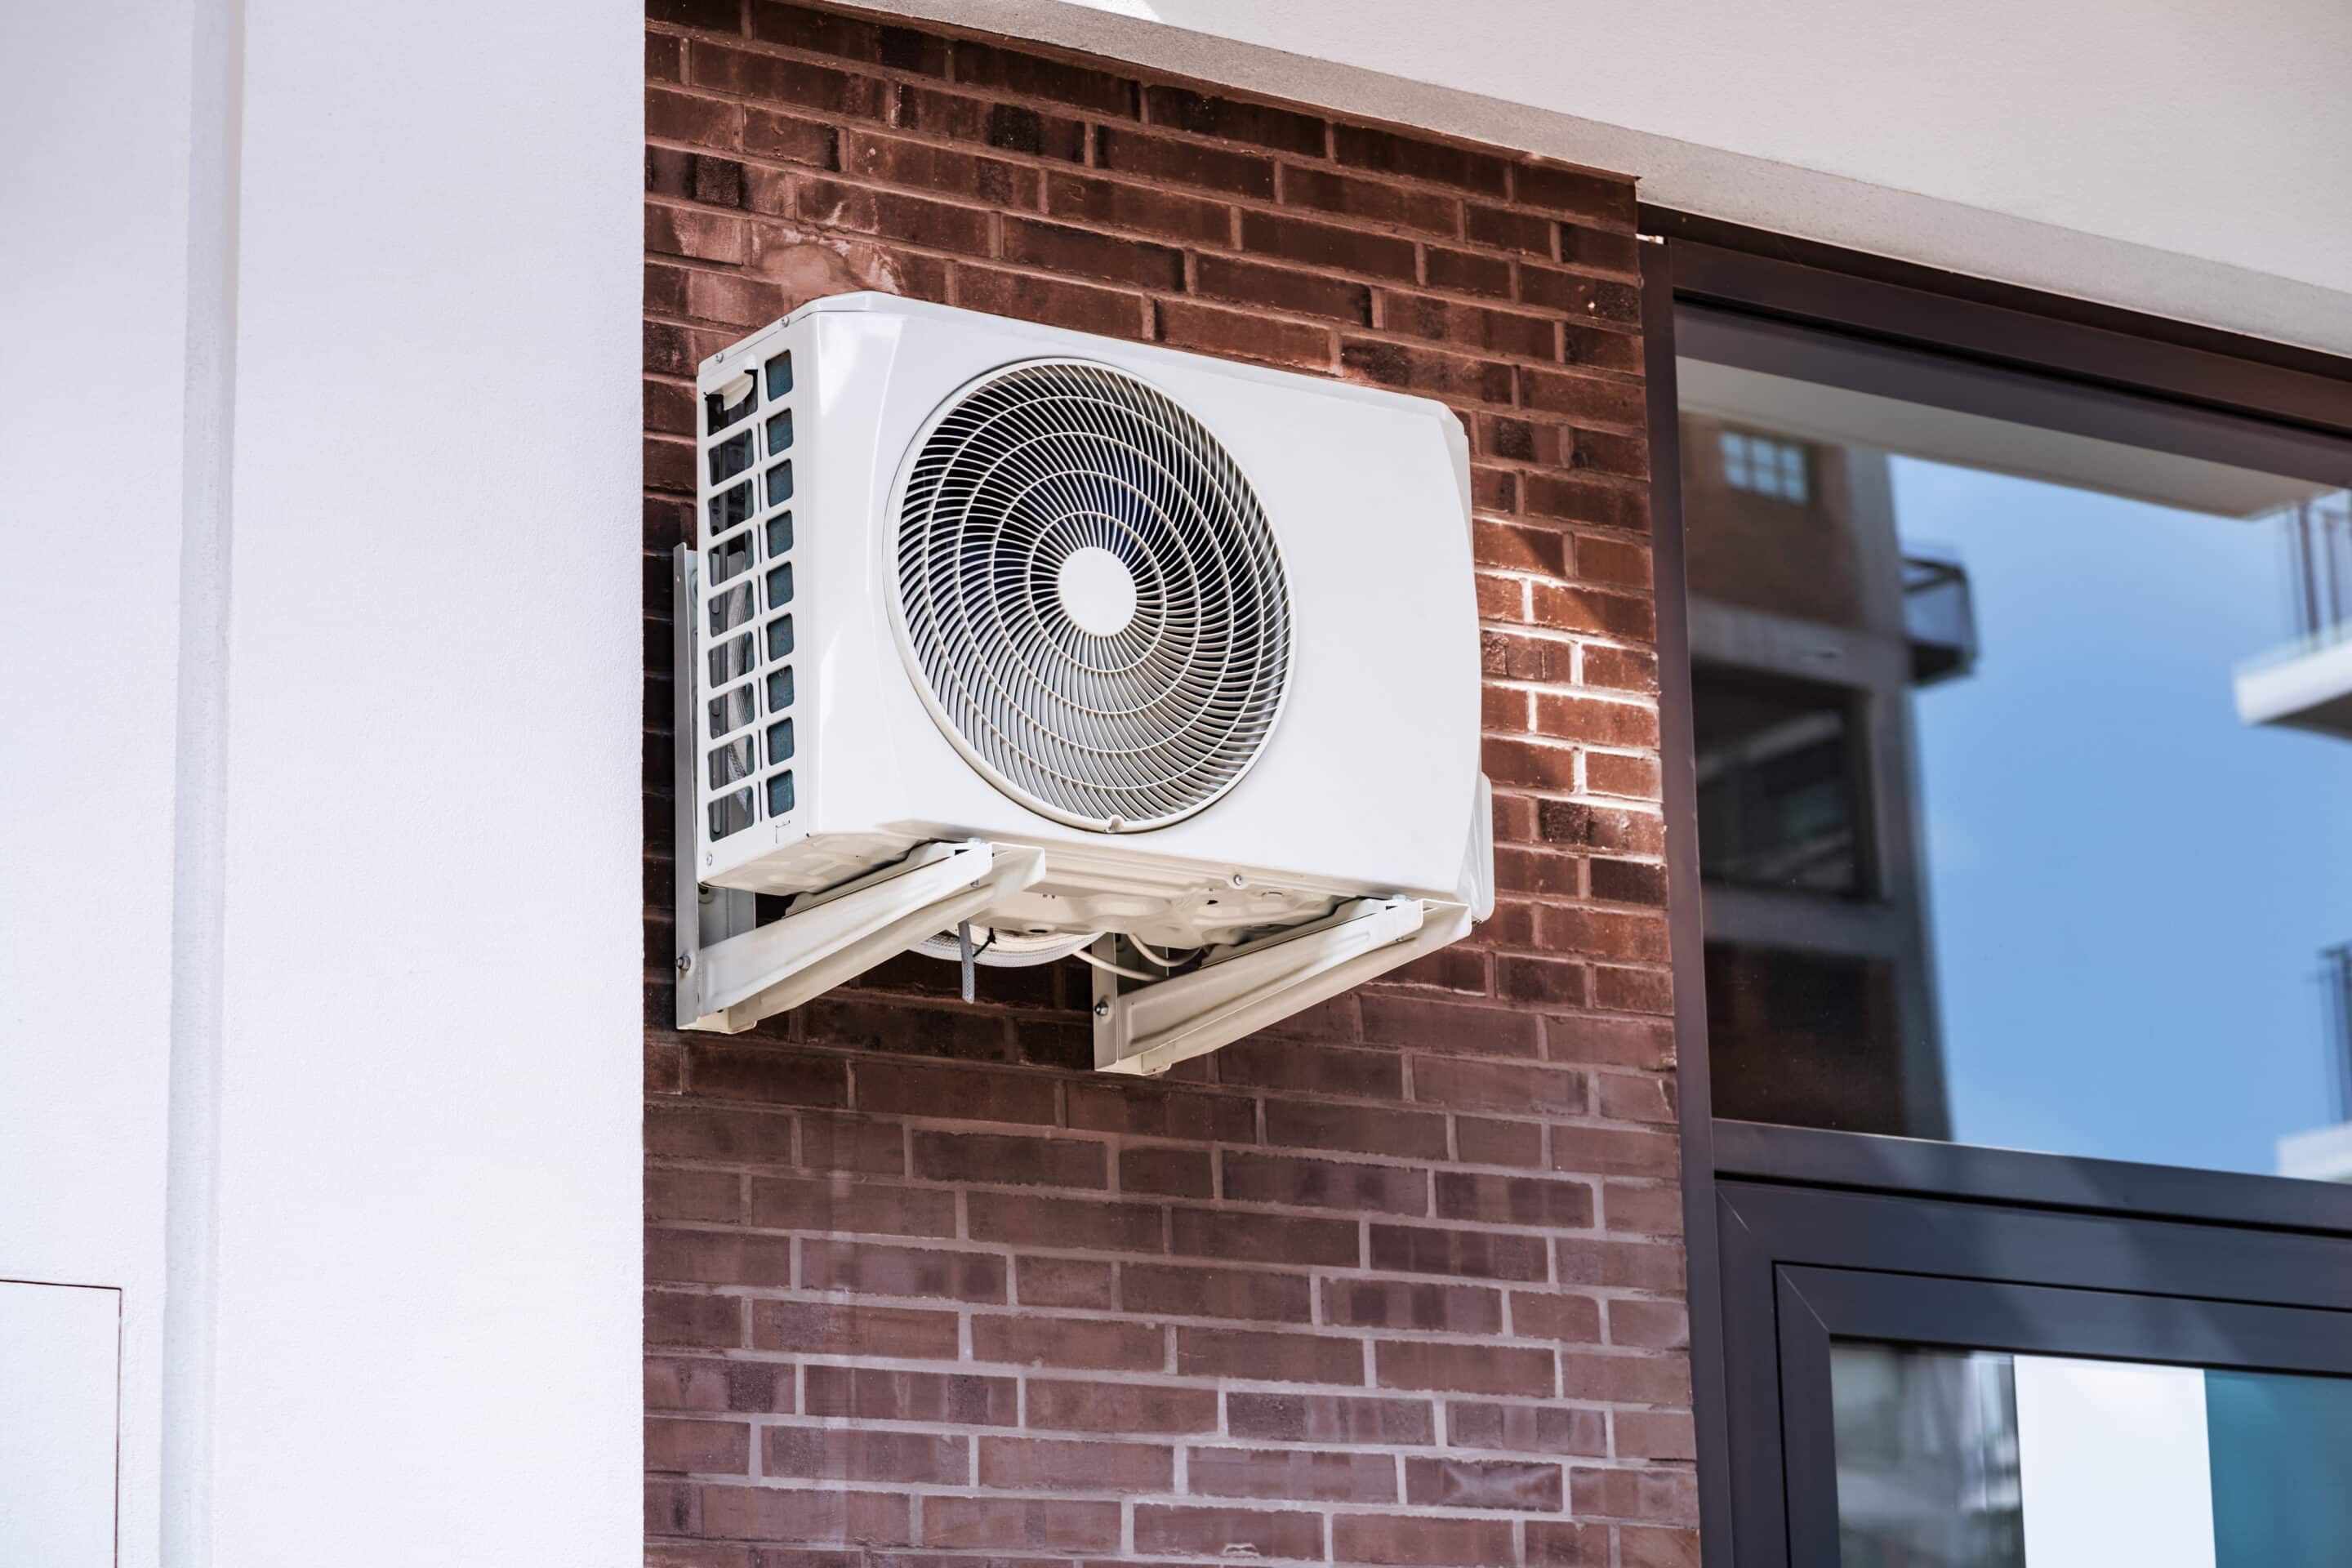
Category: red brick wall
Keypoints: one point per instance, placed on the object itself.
(1400, 1284)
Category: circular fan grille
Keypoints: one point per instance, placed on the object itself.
(1091, 596)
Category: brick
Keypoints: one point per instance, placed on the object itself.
(1572, 1319)
(1528, 764)
(1033, 75)
(1228, 1531)
(1543, 982)
(1115, 203)
(1282, 288)
(705, 1383)
(1526, 1428)
(737, 301)
(1291, 1475)
(717, 1258)
(665, 57)
(713, 1195)
(832, 1328)
(1411, 1542)
(1571, 606)
(1583, 246)
(1065, 1223)
(1599, 826)
(1491, 1085)
(1329, 1418)
(1553, 1543)
(1510, 547)
(707, 1447)
(1373, 201)
(879, 1393)
(1043, 1464)
(1453, 377)
(1595, 719)
(1158, 1110)
(1478, 1254)
(851, 1144)
(1616, 1152)
(1506, 230)
(757, 1072)
(972, 1094)
(894, 215)
(1062, 1282)
(1151, 157)
(1411, 1304)
(1073, 1406)
(689, 232)
(1186, 1291)
(775, 79)
(1448, 1025)
(835, 1203)
(1629, 882)
(716, 15)
(1268, 1357)
(1657, 1497)
(1653, 1435)
(1635, 1097)
(1519, 1485)
(1464, 1368)
(847, 37)
(1240, 334)
(1006, 1160)
(946, 171)
(790, 139)
(679, 1318)
(1080, 307)
(1483, 1141)
(1578, 500)
(872, 1268)
(1235, 120)
(1599, 349)
(1365, 1130)
(1628, 1265)
(1093, 1344)
(1019, 1524)
(684, 117)
(1635, 1378)
(1301, 1182)
(1328, 244)
(1055, 248)
(1468, 271)
(863, 1454)
(1657, 1325)
(1586, 399)
(1514, 1200)
(1179, 1173)
(1630, 990)
(1263, 1238)
(828, 1516)
(1364, 147)
(1007, 127)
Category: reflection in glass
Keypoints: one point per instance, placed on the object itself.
(2023, 769)
(1927, 1458)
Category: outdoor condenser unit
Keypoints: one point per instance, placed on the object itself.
(1008, 644)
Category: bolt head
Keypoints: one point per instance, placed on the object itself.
(684, 963)
(1102, 1009)
(1235, 880)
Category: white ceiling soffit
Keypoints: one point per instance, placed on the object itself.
(2281, 187)
(1831, 414)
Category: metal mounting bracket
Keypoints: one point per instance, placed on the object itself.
(824, 939)
(1151, 1027)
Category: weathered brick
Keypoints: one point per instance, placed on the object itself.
(1151, 157)
(1045, 1464)
(1465, 1368)
(1239, 334)
(1523, 1486)
(1228, 1531)
(831, 1328)
(1185, 1291)
(707, 1447)
(1301, 1182)
(863, 1454)
(1019, 1524)
(1268, 1357)
(1411, 1540)
(1235, 120)
(1328, 244)
(1329, 1418)
(1093, 1344)
(1283, 289)
(832, 1204)
(1411, 1304)
(1057, 1406)
(881, 1394)
(1034, 76)
(1291, 1475)
(1528, 1428)
(827, 1516)
(1081, 306)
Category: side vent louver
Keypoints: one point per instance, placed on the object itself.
(746, 601)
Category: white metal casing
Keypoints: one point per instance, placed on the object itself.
(1368, 783)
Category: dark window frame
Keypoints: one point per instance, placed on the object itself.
(1992, 348)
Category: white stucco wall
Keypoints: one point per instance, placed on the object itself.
(426, 1313)
(2185, 157)
(94, 102)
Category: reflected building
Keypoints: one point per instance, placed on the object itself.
(1810, 626)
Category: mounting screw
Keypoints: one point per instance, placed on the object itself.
(1235, 880)
(709, 859)
(1102, 1009)
(686, 963)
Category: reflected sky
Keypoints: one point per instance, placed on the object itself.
(2127, 886)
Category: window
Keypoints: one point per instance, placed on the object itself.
(2022, 763)
(1763, 464)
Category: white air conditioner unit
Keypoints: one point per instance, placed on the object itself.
(1009, 643)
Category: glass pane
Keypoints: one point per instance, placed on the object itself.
(1974, 1459)
(2024, 781)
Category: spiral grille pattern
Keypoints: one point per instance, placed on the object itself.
(1142, 726)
